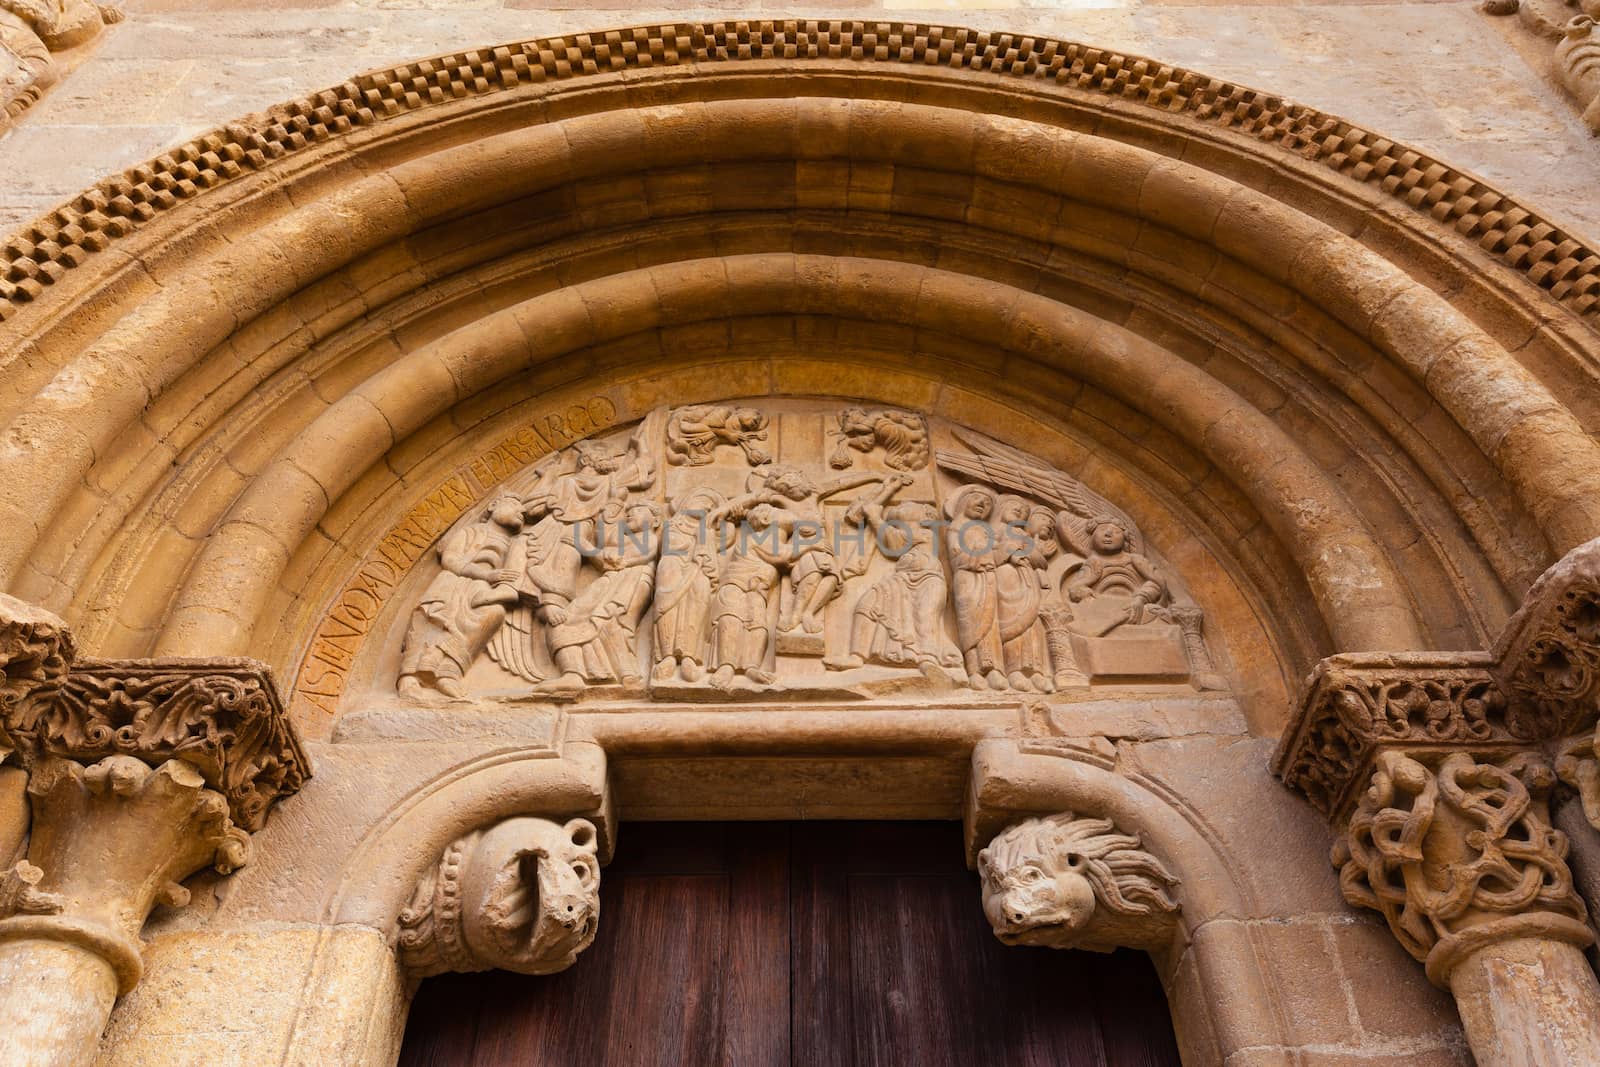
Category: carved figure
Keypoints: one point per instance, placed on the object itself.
(565, 509)
(464, 605)
(694, 433)
(1578, 64)
(684, 579)
(897, 621)
(596, 643)
(970, 543)
(30, 30)
(1020, 560)
(754, 558)
(523, 895)
(1064, 881)
(1115, 585)
(902, 436)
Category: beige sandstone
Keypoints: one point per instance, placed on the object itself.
(582, 442)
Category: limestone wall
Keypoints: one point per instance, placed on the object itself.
(1442, 76)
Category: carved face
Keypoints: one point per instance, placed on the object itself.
(1033, 900)
(507, 512)
(1109, 537)
(541, 903)
(976, 506)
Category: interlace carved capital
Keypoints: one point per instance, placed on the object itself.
(1358, 704)
(1068, 882)
(522, 895)
(109, 841)
(1458, 853)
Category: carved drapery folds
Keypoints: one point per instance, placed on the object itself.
(522, 895)
(1457, 854)
(778, 546)
(1064, 881)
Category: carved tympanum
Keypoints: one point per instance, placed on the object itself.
(1459, 854)
(1069, 882)
(791, 545)
(522, 895)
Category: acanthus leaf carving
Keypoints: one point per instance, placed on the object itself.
(522, 895)
(1066, 881)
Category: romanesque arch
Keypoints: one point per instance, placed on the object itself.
(1343, 391)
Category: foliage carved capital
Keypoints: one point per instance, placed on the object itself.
(221, 716)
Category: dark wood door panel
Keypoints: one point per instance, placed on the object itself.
(813, 944)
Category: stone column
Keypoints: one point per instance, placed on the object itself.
(1438, 786)
(140, 773)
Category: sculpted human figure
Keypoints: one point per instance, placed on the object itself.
(693, 434)
(1020, 559)
(970, 545)
(464, 605)
(597, 642)
(684, 580)
(1116, 584)
(897, 621)
(754, 559)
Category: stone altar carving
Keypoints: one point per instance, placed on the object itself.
(522, 895)
(1068, 882)
(795, 547)
(30, 31)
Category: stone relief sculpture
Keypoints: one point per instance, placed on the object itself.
(902, 436)
(1068, 882)
(522, 895)
(796, 547)
(1569, 28)
(465, 605)
(30, 31)
(694, 434)
(1445, 853)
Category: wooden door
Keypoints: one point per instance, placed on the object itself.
(807, 944)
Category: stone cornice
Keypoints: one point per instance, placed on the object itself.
(1548, 257)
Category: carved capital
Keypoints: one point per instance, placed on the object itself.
(1548, 656)
(1458, 853)
(1067, 882)
(522, 895)
(1358, 704)
(109, 841)
(222, 716)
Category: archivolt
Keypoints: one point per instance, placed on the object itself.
(1407, 412)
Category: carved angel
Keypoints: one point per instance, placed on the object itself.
(902, 436)
(694, 433)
